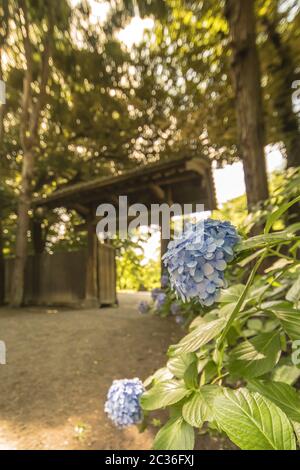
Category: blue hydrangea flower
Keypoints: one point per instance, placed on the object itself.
(196, 262)
(164, 281)
(144, 307)
(160, 300)
(122, 405)
(155, 292)
(175, 308)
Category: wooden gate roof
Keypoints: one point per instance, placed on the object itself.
(185, 180)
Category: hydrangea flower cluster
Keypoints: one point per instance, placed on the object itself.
(144, 307)
(196, 262)
(160, 300)
(122, 405)
(155, 292)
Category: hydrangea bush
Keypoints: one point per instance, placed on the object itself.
(236, 370)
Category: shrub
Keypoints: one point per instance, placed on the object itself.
(233, 371)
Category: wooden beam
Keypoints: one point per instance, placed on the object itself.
(80, 227)
(157, 191)
(82, 210)
(91, 280)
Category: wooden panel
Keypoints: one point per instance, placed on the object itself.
(106, 274)
(57, 279)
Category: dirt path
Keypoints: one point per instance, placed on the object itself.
(60, 365)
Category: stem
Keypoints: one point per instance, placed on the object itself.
(240, 302)
(219, 378)
(281, 255)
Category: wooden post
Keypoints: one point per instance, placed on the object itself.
(91, 285)
(38, 239)
(163, 248)
(164, 242)
(2, 267)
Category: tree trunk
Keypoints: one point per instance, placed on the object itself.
(4, 23)
(2, 267)
(284, 69)
(29, 137)
(22, 230)
(247, 87)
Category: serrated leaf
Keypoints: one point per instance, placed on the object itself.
(209, 372)
(161, 375)
(177, 365)
(283, 395)
(286, 374)
(199, 407)
(253, 422)
(260, 241)
(200, 336)
(290, 320)
(191, 376)
(226, 310)
(255, 324)
(293, 294)
(293, 228)
(296, 427)
(242, 263)
(196, 322)
(255, 357)
(232, 294)
(163, 394)
(278, 213)
(278, 265)
(176, 434)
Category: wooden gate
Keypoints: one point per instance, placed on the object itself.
(60, 278)
(106, 274)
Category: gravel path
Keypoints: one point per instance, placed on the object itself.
(60, 364)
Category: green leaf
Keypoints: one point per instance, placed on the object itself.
(199, 407)
(161, 375)
(196, 322)
(253, 422)
(283, 395)
(209, 372)
(242, 263)
(278, 213)
(163, 394)
(293, 294)
(290, 320)
(200, 336)
(176, 434)
(255, 324)
(296, 427)
(293, 228)
(232, 294)
(226, 310)
(260, 241)
(255, 357)
(177, 365)
(191, 376)
(285, 373)
(279, 264)
(241, 300)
